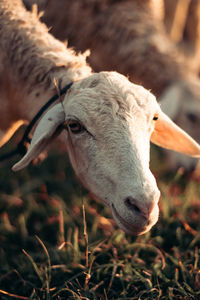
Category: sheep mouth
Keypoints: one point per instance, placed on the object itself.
(127, 227)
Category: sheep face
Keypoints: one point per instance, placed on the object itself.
(108, 124)
(108, 134)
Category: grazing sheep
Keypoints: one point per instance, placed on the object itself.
(32, 61)
(107, 121)
(129, 37)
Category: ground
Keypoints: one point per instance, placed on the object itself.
(50, 250)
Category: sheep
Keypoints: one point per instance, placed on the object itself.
(27, 45)
(129, 37)
(107, 121)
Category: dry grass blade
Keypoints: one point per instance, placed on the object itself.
(48, 257)
(37, 270)
(13, 295)
(85, 237)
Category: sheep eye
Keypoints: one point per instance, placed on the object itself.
(192, 117)
(155, 118)
(75, 126)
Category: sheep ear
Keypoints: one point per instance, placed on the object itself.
(168, 135)
(46, 130)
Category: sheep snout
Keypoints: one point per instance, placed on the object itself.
(138, 216)
(144, 209)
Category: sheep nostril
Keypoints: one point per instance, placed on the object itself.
(131, 204)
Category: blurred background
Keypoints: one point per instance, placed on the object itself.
(181, 19)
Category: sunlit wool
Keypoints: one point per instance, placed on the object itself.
(117, 119)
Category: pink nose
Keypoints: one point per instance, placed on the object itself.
(140, 208)
(150, 206)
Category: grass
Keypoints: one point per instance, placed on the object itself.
(56, 242)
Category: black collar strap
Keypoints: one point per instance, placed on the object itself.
(22, 145)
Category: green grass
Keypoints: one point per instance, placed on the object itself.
(49, 250)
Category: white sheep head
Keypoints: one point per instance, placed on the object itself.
(109, 123)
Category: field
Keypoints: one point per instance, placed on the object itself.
(56, 242)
